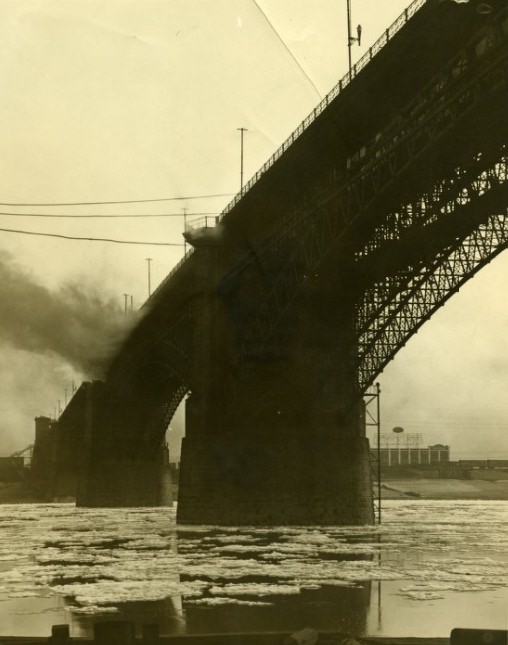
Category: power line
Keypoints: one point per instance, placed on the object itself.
(104, 216)
(89, 239)
(124, 201)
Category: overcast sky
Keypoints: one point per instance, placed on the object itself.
(115, 100)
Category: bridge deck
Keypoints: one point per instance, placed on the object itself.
(366, 104)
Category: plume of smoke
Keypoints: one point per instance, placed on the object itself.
(74, 322)
(31, 386)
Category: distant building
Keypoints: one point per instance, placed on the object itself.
(410, 456)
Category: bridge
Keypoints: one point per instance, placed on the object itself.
(388, 197)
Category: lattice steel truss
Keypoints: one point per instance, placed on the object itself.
(417, 297)
(393, 309)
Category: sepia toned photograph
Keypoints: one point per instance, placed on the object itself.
(253, 324)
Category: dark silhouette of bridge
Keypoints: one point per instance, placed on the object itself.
(389, 197)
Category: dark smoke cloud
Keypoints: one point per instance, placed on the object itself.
(74, 322)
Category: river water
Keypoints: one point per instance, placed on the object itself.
(430, 566)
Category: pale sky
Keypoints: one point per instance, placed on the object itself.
(113, 100)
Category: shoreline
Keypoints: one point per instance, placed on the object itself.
(391, 488)
(445, 489)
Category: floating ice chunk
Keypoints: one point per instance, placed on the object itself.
(93, 609)
(218, 600)
(255, 589)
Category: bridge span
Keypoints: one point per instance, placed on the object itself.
(389, 197)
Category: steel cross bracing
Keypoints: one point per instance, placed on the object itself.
(462, 85)
(423, 298)
(482, 176)
(394, 309)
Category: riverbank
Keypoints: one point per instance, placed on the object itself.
(400, 488)
(444, 489)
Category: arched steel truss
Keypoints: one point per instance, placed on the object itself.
(166, 358)
(417, 297)
(396, 306)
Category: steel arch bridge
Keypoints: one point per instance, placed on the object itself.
(391, 195)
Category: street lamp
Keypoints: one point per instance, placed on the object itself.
(351, 39)
(241, 130)
(149, 261)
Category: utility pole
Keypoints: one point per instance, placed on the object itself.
(242, 130)
(149, 260)
(351, 39)
(125, 296)
(184, 230)
(132, 303)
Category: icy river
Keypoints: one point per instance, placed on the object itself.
(430, 566)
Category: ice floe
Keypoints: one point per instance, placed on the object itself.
(100, 559)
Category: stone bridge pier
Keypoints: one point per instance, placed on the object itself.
(274, 427)
(287, 477)
(118, 469)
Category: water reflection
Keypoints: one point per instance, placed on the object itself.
(326, 609)
(168, 614)
(236, 598)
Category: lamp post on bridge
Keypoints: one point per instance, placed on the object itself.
(241, 130)
(184, 230)
(351, 39)
(149, 261)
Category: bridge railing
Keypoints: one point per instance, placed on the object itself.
(366, 58)
(208, 221)
(168, 277)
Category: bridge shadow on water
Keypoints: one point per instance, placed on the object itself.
(234, 600)
(327, 609)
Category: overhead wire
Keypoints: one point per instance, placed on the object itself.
(89, 239)
(106, 215)
(123, 201)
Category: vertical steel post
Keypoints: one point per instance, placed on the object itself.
(184, 230)
(378, 392)
(242, 130)
(149, 260)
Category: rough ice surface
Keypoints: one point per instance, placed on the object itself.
(99, 559)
